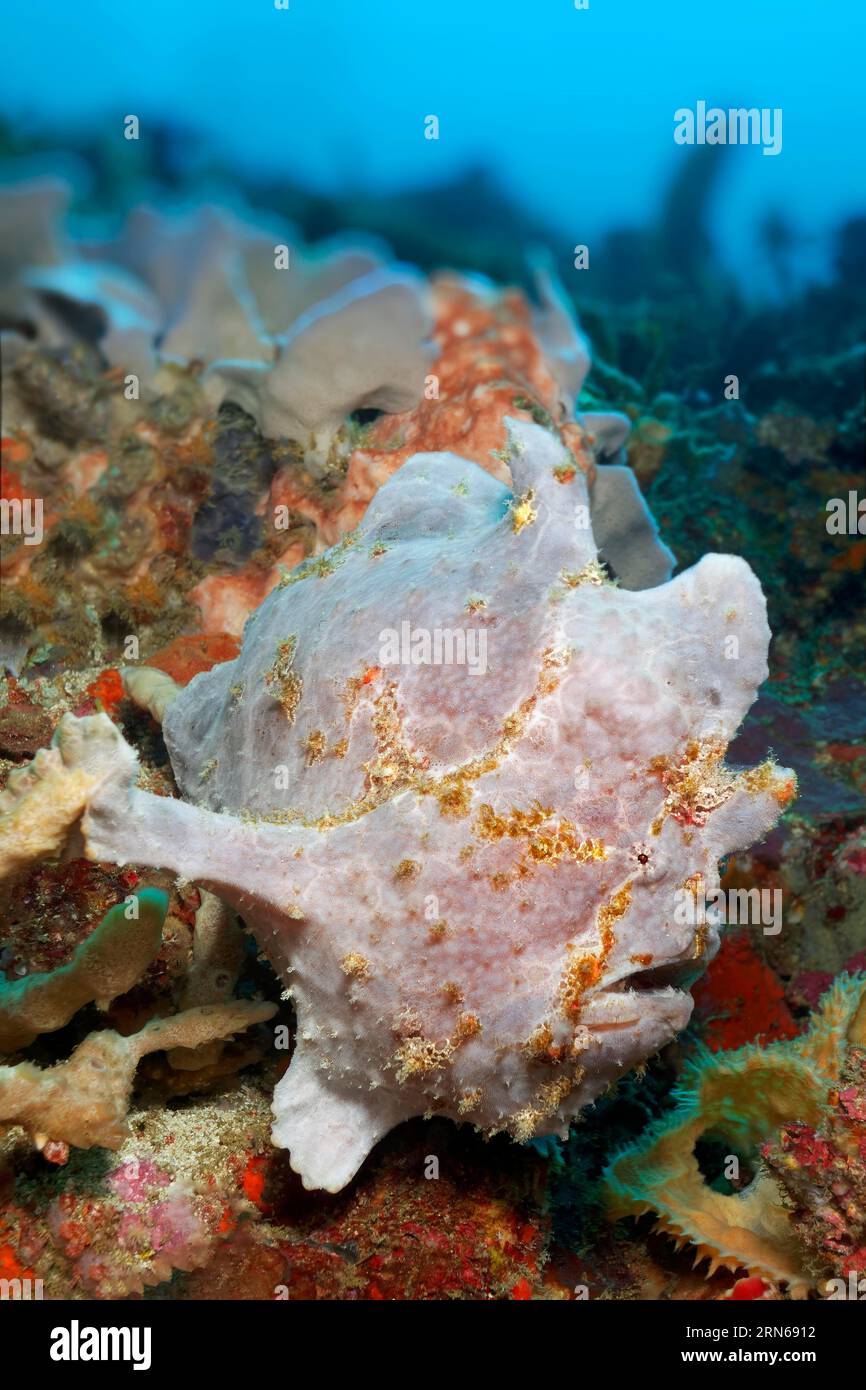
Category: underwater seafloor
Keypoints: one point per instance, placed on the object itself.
(145, 505)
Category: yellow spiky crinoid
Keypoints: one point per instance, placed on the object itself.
(743, 1098)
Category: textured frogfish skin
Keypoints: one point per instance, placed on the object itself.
(467, 872)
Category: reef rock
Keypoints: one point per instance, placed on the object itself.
(456, 782)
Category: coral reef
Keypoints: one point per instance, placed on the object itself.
(479, 817)
(742, 1099)
(110, 1225)
(198, 1197)
(171, 519)
(440, 363)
